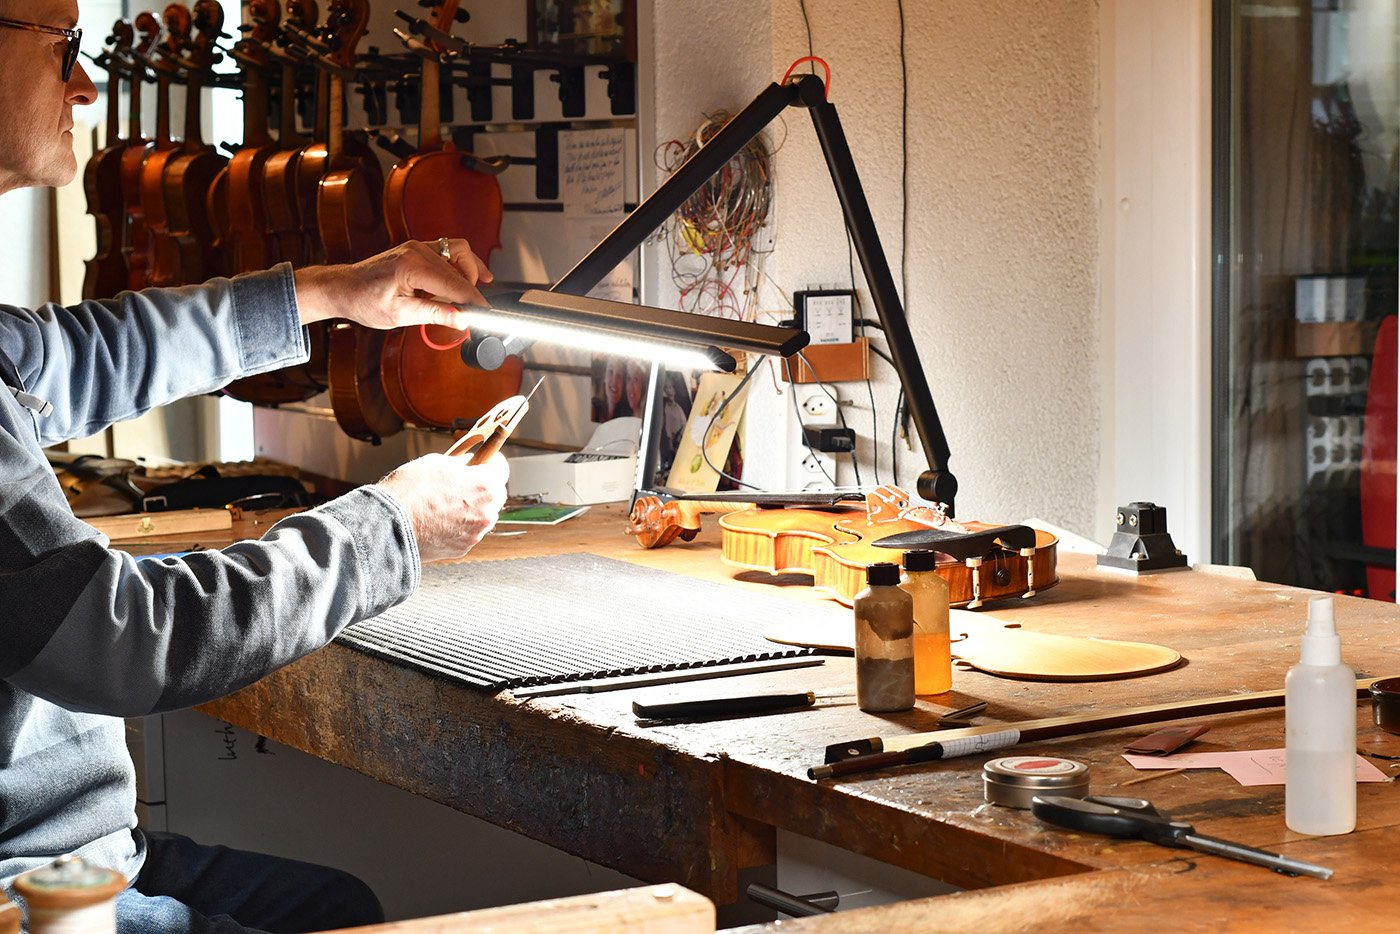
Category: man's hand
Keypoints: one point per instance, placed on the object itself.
(408, 285)
(452, 503)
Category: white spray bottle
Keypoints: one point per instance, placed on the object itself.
(1320, 718)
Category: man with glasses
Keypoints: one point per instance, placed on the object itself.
(91, 635)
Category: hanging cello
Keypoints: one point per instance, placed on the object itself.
(106, 272)
(437, 193)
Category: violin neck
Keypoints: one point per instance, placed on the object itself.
(430, 111)
(194, 111)
(163, 110)
(255, 108)
(287, 125)
(322, 131)
(133, 132)
(690, 510)
(114, 107)
(335, 132)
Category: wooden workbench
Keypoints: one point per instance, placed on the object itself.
(696, 803)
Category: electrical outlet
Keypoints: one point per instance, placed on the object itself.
(816, 405)
(818, 465)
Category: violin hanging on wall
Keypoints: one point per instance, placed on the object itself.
(136, 239)
(252, 245)
(191, 173)
(286, 226)
(107, 273)
(164, 267)
(432, 194)
(246, 204)
(349, 210)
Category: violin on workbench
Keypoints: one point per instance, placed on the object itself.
(434, 193)
(106, 273)
(835, 543)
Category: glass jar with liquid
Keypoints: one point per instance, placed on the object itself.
(884, 642)
(933, 661)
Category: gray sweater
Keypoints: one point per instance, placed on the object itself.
(91, 635)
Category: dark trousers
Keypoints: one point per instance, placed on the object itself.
(187, 888)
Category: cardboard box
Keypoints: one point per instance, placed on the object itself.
(592, 478)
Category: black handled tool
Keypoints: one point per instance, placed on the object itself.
(1134, 817)
(723, 706)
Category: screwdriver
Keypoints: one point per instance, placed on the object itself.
(1134, 817)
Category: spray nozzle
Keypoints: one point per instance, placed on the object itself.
(1320, 644)
(1321, 621)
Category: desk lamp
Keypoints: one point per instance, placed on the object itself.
(677, 339)
(937, 483)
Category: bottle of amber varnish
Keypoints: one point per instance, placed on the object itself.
(933, 660)
(884, 642)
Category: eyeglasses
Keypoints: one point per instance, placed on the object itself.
(74, 37)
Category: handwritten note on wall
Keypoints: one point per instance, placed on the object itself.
(591, 171)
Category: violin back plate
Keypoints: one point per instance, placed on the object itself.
(998, 647)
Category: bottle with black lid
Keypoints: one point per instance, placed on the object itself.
(884, 642)
(933, 662)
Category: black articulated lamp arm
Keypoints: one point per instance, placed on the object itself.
(936, 484)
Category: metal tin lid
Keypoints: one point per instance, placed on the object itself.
(69, 882)
(1040, 773)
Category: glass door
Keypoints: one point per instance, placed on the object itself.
(1306, 114)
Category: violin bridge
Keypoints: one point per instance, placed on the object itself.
(1029, 555)
(975, 565)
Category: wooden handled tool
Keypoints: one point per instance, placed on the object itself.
(491, 430)
(865, 755)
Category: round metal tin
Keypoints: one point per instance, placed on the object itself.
(1012, 781)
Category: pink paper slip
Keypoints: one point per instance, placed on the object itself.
(1248, 766)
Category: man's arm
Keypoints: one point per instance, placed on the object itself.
(108, 361)
(105, 362)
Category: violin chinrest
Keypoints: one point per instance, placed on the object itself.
(962, 545)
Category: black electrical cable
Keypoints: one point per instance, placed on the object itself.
(714, 418)
(904, 167)
(807, 21)
(894, 439)
(869, 387)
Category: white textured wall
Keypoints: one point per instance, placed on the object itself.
(1003, 207)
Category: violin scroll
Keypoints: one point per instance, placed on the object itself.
(655, 524)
